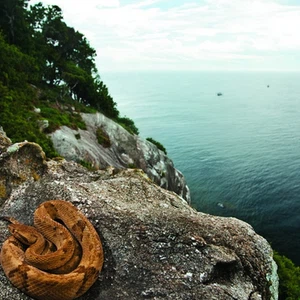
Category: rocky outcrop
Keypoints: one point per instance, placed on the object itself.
(105, 143)
(155, 245)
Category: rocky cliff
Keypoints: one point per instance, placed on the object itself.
(105, 143)
(155, 245)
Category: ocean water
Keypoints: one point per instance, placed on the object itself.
(240, 152)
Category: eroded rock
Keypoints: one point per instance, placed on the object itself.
(4, 141)
(20, 163)
(155, 245)
(124, 150)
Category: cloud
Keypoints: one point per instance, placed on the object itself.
(144, 3)
(104, 3)
(147, 33)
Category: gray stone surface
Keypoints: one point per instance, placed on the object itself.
(155, 245)
(126, 150)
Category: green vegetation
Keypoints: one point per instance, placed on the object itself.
(131, 166)
(103, 138)
(87, 165)
(128, 124)
(289, 278)
(77, 136)
(46, 64)
(157, 144)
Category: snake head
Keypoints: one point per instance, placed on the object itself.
(23, 233)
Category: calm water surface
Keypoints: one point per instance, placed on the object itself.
(240, 152)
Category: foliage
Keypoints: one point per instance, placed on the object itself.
(87, 165)
(16, 68)
(59, 116)
(47, 64)
(103, 138)
(157, 144)
(128, 124)
(289, 278)
(54, 54)
(14, 24)
(131, 166)
(19, 122)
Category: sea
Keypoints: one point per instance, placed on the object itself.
(234, 135)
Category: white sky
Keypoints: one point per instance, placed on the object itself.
(188, 34)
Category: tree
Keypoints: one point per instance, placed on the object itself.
(42, 58)
(42, 49)
(62, 45)
(14, 25)
(16, 68)
(102, 100)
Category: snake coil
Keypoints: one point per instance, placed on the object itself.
(58, 259)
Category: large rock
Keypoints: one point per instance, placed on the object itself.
(155, 245)
(120, 150)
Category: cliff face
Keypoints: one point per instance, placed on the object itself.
(155, 245)
(118, 149)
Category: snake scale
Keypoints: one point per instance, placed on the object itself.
(57, 259)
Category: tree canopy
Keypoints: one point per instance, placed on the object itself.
(46, 63)
(57, 54)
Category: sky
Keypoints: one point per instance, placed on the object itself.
(128, 35)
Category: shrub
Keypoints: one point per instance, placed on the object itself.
(131, 166)
(88, 165)
(289, 278)
(58, 117)
(103, 138)
(128, 124)
(157, 144)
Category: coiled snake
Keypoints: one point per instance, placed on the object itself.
(57, 259)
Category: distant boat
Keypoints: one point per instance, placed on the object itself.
(219, 94)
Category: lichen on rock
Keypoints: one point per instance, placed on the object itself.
(20, 162)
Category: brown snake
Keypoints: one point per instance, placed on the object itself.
(57, 259)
